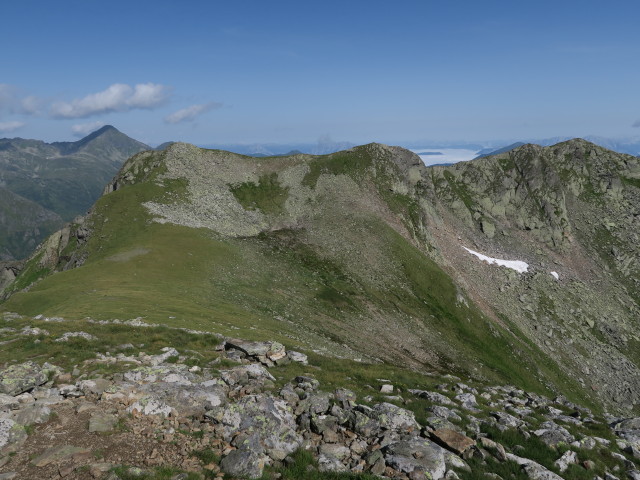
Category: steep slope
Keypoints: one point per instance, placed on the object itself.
(360, 254)
(23, 224)
(64, 177)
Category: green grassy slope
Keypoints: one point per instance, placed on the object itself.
(352, 284)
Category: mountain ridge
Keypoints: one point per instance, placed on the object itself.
(64, 178)
(362, 251)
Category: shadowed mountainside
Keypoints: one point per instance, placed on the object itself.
(46, 184)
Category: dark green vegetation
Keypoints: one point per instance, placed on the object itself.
(358, 256)
(304, 466)
(268, 195)
(45, 184)
(43, 347)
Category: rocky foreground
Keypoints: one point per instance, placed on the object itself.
(210, 422)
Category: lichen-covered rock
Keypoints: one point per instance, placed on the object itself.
(10, 432)
(20, 378)
(245, 463)
(392, 417)
(417, 456)
(271, 419)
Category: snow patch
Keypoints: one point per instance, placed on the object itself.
(555, 275)
(517, 265)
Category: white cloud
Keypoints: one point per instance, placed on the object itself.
(30, 105)
(84, 129)
(11, 100)
(118, 97)
(6, 127)
(189, 114)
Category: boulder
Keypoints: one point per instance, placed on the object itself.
(21, 378)
(452, 440)
(392, 417)
(10, 433)
(244, 463)
(433, 397)
(415, 457)
(102, 422)
(59, 453)
(328, 463)
(34, 413)
(534, 470)
(569, 457)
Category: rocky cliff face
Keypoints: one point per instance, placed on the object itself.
(366, 254)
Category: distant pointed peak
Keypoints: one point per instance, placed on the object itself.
(105, 129)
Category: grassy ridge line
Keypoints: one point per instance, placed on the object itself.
(250, 288)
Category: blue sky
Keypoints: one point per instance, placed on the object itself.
(400, 72)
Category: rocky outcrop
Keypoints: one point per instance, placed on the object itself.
(250, 423)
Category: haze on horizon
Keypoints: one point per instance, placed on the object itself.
(418, 72)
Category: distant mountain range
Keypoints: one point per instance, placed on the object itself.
(630, 146)
(42, 185)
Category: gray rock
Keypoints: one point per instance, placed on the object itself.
(534, 470)
(271, 419)
(434, 397)
(306, 383)
(444, 412)
(417, 456)
(243, 374)
(467, 401)
(334, 450)
(67, 335)
(328, 463)
(392, 417)
(553, 434)
(186, 400)
(32, 414)
(364, 425)
(569, 457)
(58, 453)
(315, 403)
(298, 357)
(102, 422)
(94, 386)
(10, 431)
(244, 463)
(20, 378)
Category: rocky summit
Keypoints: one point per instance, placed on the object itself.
(332, 316)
